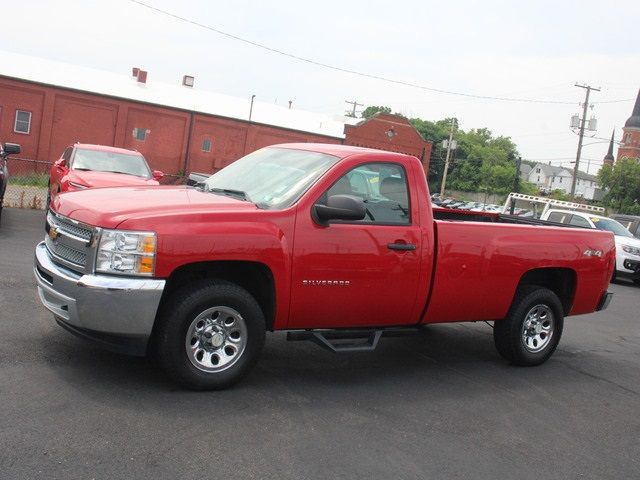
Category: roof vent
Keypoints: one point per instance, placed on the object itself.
(142, 76)
(188, 80)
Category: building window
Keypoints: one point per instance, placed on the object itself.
(141, 133)
(537, 170)
(538, 177)
(23, 122)
(560, 181)
(206, 145)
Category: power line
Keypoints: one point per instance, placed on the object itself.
(355, 72)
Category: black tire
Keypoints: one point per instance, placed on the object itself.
(48, 198)
(636, 281)
(178, 317)
(509, 334)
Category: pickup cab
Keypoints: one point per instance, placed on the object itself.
(330, 243)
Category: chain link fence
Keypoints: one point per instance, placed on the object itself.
(28, 180)
(27, 184)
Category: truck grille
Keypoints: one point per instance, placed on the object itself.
(67, 226)
(68, 241)
(67, 253)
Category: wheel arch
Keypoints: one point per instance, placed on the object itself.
(255, 277)
(561, 281)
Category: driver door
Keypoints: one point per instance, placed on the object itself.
(359, 273)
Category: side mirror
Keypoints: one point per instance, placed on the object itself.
(157, 174)
(340, 207)
(11, 148)
(59, 163)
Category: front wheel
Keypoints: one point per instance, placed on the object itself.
(532, 329)
(209, 335)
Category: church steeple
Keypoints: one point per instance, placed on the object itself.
(608, 158)
(634, 120)
(630, 144)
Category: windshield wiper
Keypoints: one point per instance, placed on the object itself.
(231, 193)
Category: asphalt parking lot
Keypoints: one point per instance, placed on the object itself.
(439, 405)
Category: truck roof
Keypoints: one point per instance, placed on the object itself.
(337, 150)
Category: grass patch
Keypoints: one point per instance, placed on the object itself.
(32, 180)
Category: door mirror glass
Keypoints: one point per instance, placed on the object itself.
(340, 207)
(59, 163)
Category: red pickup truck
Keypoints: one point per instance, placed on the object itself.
(334, 244)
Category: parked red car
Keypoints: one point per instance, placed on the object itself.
(87, 166)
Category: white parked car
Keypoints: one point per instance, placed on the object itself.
(627, 246)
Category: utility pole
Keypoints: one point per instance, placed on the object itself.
(355, 104)
(251, 107)
(583, 122)
(516, 185)
(450, 146)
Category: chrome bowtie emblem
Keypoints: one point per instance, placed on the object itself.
(53, 233)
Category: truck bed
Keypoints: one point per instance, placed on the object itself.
(468, 216)
(482, 257)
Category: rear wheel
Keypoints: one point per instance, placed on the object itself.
(530, 332)
(209, 335)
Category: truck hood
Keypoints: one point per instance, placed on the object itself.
(108, 207)
(94, 179)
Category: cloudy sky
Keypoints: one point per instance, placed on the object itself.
(525, 50)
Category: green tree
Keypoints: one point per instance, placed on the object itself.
(481, 162)
(622, 182)
(372, 110)
(559, 194)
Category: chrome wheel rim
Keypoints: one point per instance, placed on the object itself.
(537, 328)
(216, 339)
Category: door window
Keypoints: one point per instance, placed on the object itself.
(382, 187)
(579, 221)
(558, 217)
(67, 155)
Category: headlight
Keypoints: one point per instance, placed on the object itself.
(126, 253)
(78, 185)
(631, 250)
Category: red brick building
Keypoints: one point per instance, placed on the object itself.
(46, 106)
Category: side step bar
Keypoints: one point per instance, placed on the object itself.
(341, 341)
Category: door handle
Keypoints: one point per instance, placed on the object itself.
(401, 246)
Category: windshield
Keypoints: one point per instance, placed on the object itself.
(271, 177)
(100, 161)
(611, 226)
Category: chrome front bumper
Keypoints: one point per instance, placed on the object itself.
(118, 312)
